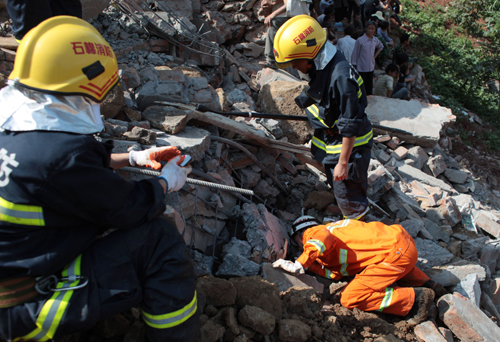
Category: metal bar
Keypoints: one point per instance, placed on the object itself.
(190, 180)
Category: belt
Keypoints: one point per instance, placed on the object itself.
(19, 290)
(15, 291)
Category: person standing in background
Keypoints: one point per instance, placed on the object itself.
(26, 14)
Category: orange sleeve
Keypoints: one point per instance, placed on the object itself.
(316, 241)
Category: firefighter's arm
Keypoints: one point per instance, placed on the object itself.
(315, 247)
(341, 169)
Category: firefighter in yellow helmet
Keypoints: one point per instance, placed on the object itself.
(335, 104)
(58, 193)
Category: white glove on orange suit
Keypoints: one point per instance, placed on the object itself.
(174, 175)
(152, 156)
(292, 267)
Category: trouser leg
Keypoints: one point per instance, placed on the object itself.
(271, 32)
(368, 81)
(351, 192)
(147, 266)
(26, 14)
(371, 289)
(363, 14)
(400, 94)
(66, 7)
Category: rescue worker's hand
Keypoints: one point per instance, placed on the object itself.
(174, 175)
(340, 172)
(292, 267)
(152, 156)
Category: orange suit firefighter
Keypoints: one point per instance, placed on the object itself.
(376, 254)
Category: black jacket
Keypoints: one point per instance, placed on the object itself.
(58, 195)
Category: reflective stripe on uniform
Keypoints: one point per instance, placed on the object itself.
(358, 216)
(360, 82)
(320, 246)
(342, 223)
(336, 149)
(343, 262)
(171, 319)
(329, 274)
(387, 298)
(29, 215)
(54, 308)
(313, 109)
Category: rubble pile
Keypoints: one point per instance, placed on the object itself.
(415, 179)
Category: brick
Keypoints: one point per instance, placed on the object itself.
(376, 174)
(400, 153)
(466, 320)
(428, 332)
(383, 157)
(488, 225)
(450, 211)
(382, 138)
(437, 165)
(393, 143)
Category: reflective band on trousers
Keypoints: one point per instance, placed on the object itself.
(320, 246)
(387, 298)
(313, 109)
(53, 310)
(329, 274)
(335, 149)
(171, 319)
(29, 215)
(343, 262)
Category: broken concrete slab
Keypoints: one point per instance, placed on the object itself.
(169, 119)
(430, 254)
(410, 173)
(456, 176)
(466, 320)
(284, 280)
(452, 274)
(193, 141)
(424, 121)
(469, 288)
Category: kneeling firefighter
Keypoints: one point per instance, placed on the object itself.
(58, 193)
(335, 104)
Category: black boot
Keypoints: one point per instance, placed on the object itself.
(438, 289)
(423, 300)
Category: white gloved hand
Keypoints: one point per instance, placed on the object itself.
(152, 156)
(174, 175)
(292, 267)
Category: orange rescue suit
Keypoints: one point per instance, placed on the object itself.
(376, 254)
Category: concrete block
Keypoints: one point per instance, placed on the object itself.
(466, 320)
(487, 224)
(428, 332)
(424, 121)
(437, 165)
(430, 254)
(456, 176)
(436, 231)
(193, 141)
(399, 153)
(469, 288)
(284, 280)
(448, 275)
(418, 155)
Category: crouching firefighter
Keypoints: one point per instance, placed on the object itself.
(376, 255)
(58, 192)
(335, 105)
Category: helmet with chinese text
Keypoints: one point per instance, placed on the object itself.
(65, 55)
(300, 37)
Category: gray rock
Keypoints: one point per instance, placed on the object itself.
(418, 155)
(436, 231)
(469, 288)
(452, 274)
(237, 265)
(430, 254)
(456, 176)
(237, 247)
(202, 264)
(193, 141)
(410, 173)
(437, 165)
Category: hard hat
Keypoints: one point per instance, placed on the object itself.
(65, 55)
(303, 222)
(300, 37)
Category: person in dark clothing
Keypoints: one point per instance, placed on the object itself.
(59, 194)
(26, 14)
(335, 104)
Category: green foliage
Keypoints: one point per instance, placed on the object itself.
(461, 49)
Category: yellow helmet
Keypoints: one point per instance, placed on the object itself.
(65, 55)
(300, 37)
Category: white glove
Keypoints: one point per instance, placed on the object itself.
(174, 175)
(152, 156)
(292, 267)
